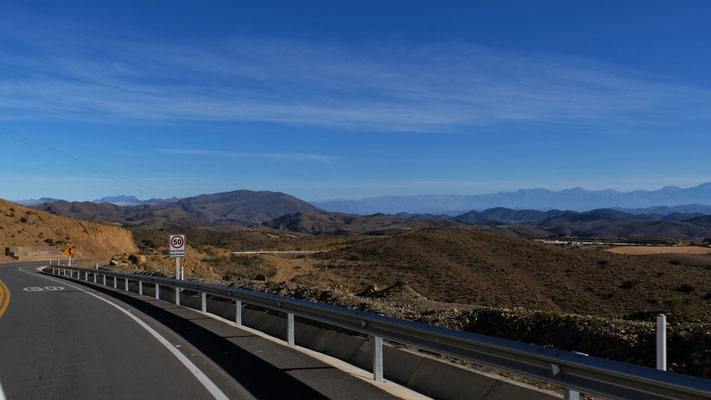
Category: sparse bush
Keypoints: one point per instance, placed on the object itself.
(629, 284)
(49, 241)
(685, 288)
(147, 266)
(674, 262)
(602, 263)
(23, 220)
(673, 302)
(707, 296)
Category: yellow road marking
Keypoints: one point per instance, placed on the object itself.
(6, 293)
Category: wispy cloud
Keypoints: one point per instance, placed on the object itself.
(268, 156)
(439, 87)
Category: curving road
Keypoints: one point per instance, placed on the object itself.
(66, 340)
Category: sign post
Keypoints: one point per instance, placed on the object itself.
(177, 250)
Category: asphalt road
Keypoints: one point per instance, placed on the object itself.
(84, 342)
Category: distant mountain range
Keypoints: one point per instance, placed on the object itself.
(35, 202)
(133, 201)
(121, 200)
(603, 223)
(576, 199)
(282, 211)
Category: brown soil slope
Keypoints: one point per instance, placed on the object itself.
(24, 226)
(465, 266)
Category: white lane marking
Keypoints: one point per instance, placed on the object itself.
(43, 288)
(204, 380)
(2, 394)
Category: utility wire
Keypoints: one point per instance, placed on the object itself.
(71, 159)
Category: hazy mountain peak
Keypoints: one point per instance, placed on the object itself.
(34, 202)
(577, 199)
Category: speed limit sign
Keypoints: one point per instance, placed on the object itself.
(177, 246)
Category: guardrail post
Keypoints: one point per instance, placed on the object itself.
(290, 329)
(238, 312)
(569, 394)
(115, 282)
(104, 279)
(177, 296)
(86, 276)
(140, 288)
(94, 277)
(378, 358)
(126, 285)
(157, 291)
(662, 342)
(204, 302)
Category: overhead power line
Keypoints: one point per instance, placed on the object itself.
(103, 172)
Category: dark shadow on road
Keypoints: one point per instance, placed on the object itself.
(262, 379)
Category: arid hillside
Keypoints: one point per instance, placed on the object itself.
(330, 223)
(24, 226)
(470, 267)
(240, 207)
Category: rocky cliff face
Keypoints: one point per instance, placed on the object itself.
(23, 226)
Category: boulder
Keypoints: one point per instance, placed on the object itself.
(136, 258)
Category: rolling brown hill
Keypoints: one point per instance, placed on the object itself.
(241, 207)
(473, 267)
(24, 226)
(330, 223)
(614, 224)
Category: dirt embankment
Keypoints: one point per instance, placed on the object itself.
(24, 226)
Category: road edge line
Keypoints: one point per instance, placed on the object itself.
(204, 380)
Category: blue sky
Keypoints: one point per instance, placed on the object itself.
(327, 100)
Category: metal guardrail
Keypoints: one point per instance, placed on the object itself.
(278, 252)
(572, 371)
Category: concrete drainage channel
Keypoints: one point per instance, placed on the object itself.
(427, 375)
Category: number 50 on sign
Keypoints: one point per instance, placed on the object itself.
(177, 246)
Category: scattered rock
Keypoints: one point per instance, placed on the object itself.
(137, 258)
